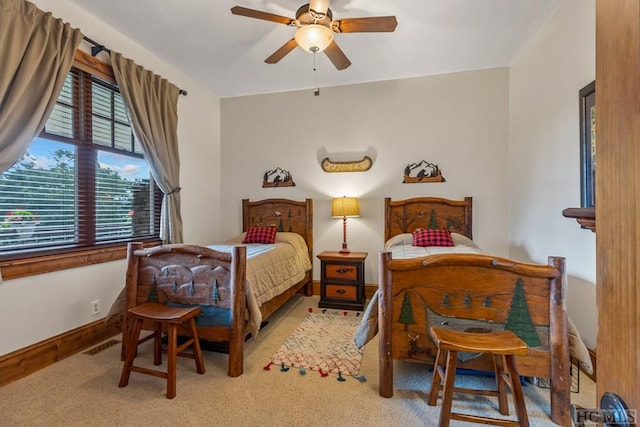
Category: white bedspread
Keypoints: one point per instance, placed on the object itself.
(401, 247)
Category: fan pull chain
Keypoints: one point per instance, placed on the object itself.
(316, 92)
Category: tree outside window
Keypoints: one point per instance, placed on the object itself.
(83, 183)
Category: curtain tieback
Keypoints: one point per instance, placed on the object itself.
(175, 190)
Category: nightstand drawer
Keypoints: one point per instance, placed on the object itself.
(341, 292)
(342, 280)
(342, 272)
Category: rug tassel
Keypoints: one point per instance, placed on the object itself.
(360, 378)
(267, 367)
(309, 348)
(340, 378)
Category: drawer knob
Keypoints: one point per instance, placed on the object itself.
(343, 270)
(341, 291)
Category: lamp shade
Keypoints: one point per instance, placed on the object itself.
(314, 37)
(345, 207)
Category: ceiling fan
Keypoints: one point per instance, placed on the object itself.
(315, 28)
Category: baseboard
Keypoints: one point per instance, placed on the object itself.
(369, 290)
(28, 360)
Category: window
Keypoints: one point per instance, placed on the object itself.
(83, 183)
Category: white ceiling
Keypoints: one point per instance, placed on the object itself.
(226, 52)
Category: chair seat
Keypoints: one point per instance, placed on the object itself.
(164, 313)
(170, 318)
(503, 346)
(501, 342)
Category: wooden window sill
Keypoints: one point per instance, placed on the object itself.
(14, 269)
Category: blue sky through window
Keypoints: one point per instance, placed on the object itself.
(41, 152)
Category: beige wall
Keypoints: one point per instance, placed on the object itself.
(544, 153)
(509, 138)
(454, 120)
(39, 307)
(459, 121)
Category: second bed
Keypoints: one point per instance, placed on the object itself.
(463, 288)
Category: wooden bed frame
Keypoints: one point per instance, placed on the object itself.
(404, 216)
(468, 292)
(287, 215)
(195, 269)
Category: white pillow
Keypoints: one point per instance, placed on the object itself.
(399, 240)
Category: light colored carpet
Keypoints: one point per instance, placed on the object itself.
(83, 390)
(322, 342)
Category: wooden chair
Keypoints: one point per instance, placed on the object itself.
(504, 346)
(171, 318)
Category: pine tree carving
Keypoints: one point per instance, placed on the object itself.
(433, 223)
(467, 300)
(519, 320)
(153, 291)
(446, 301)
(215, 292)
(406, 312)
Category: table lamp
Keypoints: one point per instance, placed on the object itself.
(344, 207)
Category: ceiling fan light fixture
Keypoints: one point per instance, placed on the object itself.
(314, 38)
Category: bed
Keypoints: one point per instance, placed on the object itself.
(220, 278)
(467, 291)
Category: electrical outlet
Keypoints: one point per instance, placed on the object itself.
(95, 307)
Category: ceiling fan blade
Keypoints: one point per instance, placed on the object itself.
(282, 52)
(252, 13)
(319, 6)
(376, 24)
(337, 56)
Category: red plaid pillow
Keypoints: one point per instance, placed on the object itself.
(260, 235)
(432, 237)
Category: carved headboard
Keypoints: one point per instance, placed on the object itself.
(404, 216)
(179, 273)
(287, 215)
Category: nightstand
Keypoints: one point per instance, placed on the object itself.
(342, 280)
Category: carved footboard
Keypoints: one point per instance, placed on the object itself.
(180, 274)
(476, 292)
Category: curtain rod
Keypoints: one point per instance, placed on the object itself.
(97, 48)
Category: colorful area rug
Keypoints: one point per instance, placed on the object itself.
(322, 342)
